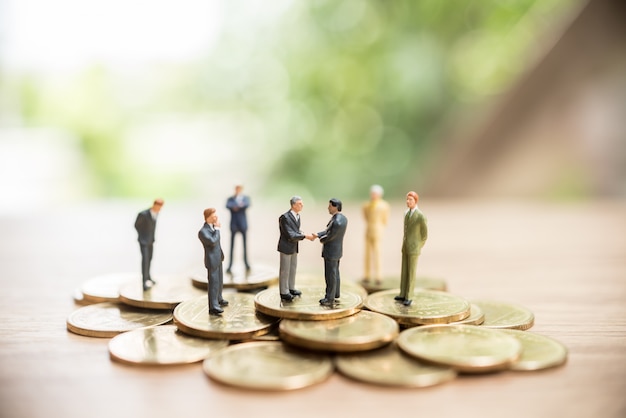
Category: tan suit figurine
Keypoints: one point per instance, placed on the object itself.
(376, 213)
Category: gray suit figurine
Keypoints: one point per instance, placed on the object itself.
(290, 235)
(209, 235)
(145, 224)
(332, 238)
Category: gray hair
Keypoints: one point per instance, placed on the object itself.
(294, 200)
(378, 189)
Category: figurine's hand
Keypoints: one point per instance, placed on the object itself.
(309, 237)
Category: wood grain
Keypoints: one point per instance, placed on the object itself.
(566, 262)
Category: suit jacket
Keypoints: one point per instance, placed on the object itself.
(415, 233)
(238, 221)
(213, 255)
(145, 226)
(289, 233)
(332, 237)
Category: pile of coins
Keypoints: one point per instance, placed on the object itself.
(261, 342)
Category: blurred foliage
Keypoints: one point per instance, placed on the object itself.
(342, 94)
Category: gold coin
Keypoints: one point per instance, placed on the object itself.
(163, 345)
(307, 306)
(79, 298)
(466, 348)
(165, 294)
(505, 315)
(316, 280)
(476, 317)
(393, 282)
(260, 276)
(538, 352)
(267, 366)
(107, 319)
(106, 288)
(388, 366)
(428, 307)
(359, 332)
(238, 322)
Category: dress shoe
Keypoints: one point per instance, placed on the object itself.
(215, 311)
(326, 302)
(228, 271)
(147, 285)
(152, 281)
(407, 302)
(295, 292)
(287, 297)
(223, 302)
(400, 298)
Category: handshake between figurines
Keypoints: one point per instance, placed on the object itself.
(311, 237)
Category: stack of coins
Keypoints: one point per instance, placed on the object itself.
(261, 342)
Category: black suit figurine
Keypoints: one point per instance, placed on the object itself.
(332, 238)
(237, 206)
(209, 235)
(145, 224)
(290, 235)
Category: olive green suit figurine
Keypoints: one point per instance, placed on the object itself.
(415, 235)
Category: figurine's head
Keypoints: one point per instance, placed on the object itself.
(376, 192)
(157, 205)
(296, 204)
(238, 188)
(334, 206)
(411, 199)
(210, 215)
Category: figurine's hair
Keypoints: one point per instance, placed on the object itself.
(208, 212)
(335, 203)
(414, 195)
(294, 199)
(378, 189)
(158, 202)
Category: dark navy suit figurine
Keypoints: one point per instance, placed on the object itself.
(209, 235)
(145, 224)
(290, 235)
(332, 238)
(237, 206)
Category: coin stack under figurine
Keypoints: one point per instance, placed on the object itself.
(366, 337)
(401, 331)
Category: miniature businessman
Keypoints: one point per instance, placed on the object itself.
(332, 238)
(209, 235)
(376, 213)
(145, 224)
(290, 235)
(237, 206)
(415, 235)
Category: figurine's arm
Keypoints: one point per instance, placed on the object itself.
(208, 239)
(333, 229)
(292, 233)
(140, 223)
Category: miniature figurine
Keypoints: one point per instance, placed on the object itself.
(237, 206)
(145, 224)
(290, 234)
(415, 235)
(332, 238)
(209, 235)
(376, 213)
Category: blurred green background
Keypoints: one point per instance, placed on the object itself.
(108, 99)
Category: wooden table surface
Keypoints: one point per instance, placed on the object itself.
(564, 261)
